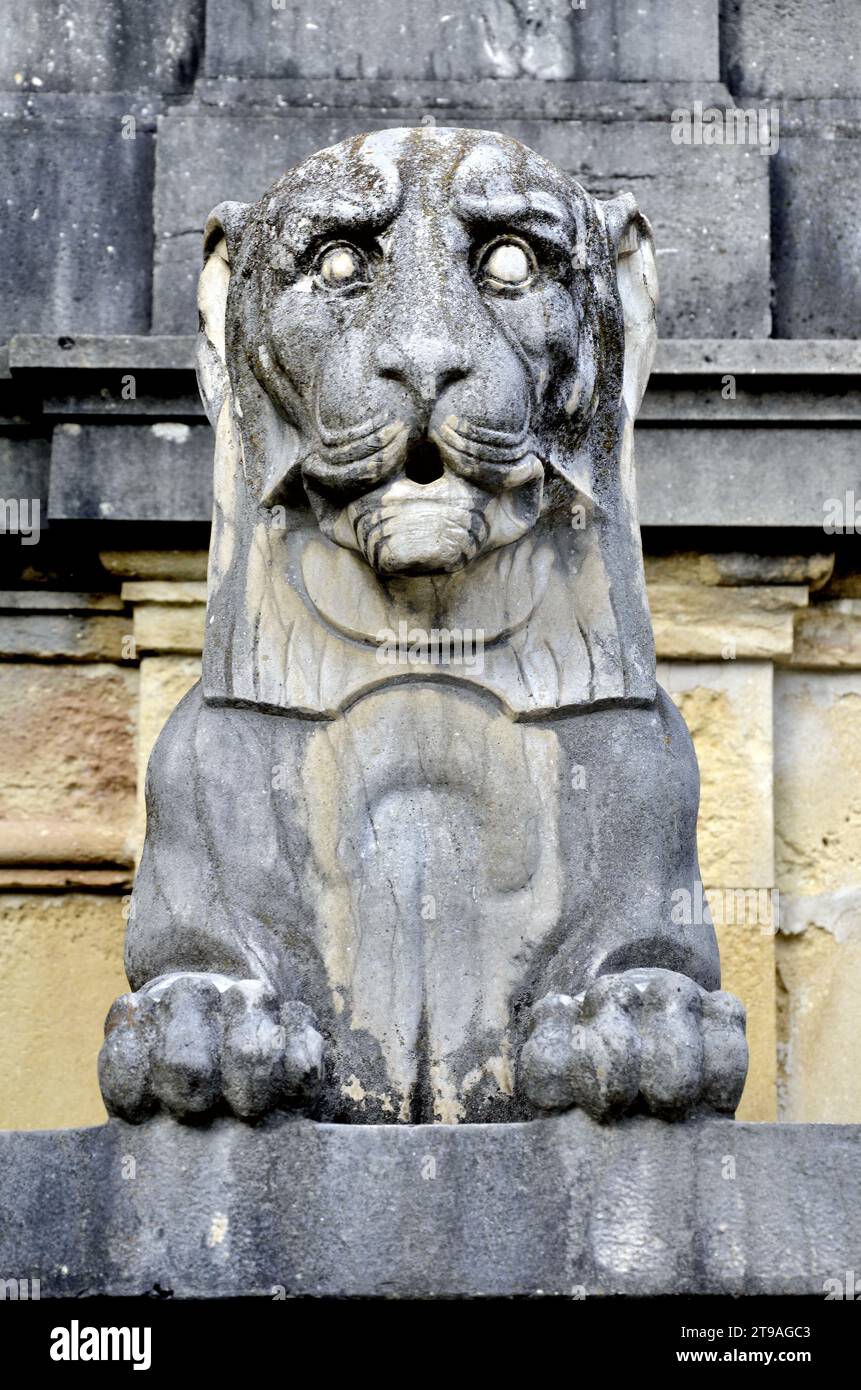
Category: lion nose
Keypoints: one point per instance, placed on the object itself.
(424, 365)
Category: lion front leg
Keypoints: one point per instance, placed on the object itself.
(213, 1022)
(643, 1039)
(192, 1044)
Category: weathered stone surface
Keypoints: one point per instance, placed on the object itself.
(430, 39)
(156, 564)
(75, 636)
(82, 263)
(169, 627)
(385, 456)
(168, 616)
(60, 963)
(752, 477)
(45, 841)
(407, 100)
(709, 206)
(818, 848)
(727, 707)
(553, 1207)
(24, 470)
(829, 634)
(113, 46)
(37, 600)
(736, 568)
(87, 352)
(817, 236)
(707, 620)
(768, 357)
(747, 951)
(787, 48)
(132, 472)
(63, 878)
(73, 769)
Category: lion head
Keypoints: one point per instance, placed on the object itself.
(422, 351)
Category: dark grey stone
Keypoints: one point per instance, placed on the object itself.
(709, 206)
(764, 357)
(156, 472)
(790, 48)
(111, 46)
(555, 1207)
(77, 227)
(817, 236)
(766, 477)
(24, 470)
(496, 97)
(435, 40)
(86, 352)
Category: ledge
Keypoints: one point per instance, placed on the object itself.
(675, 357)
(557, 1206)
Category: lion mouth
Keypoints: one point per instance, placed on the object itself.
(425, 503)
(423, 463)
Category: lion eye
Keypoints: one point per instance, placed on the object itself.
(342, 266)
(508, 265)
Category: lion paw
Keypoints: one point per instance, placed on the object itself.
(650, 1038)
(192, 1044)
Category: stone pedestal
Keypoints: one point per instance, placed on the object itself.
(560, 1206)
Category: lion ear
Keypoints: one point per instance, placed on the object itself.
(630, 237)
(223, 228)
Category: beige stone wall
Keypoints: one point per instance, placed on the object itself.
(762, 657)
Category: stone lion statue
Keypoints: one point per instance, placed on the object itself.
(417, 842)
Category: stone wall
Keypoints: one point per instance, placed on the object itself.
(121, 125)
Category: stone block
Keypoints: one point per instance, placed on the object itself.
(70, 776)
(60, 968)
(77, 226)
(24, 471)
(709, 206)
(817, 811)
(727, 708)
(747, 951)
(162, 591)
(157, 472)
(115, 46)
(156, 564)
(818, 851)
(817, 235)
(169, 627)
(787, 48)
(437, 41)
(828, 635)
(551, 1207)
(74, 636)
(709, 620)
(765, 477)
(737, 568)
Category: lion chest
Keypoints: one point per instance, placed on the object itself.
(435, 870)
